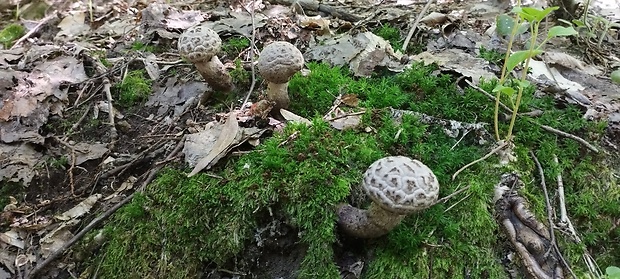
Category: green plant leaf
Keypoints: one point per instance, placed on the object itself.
(523, 84)
(615, 76)
(561, 31)
(519, 11)
(579, 23)
(520, 56)
(504, 24)
(535, 14)
(613, 272)
(508, 91)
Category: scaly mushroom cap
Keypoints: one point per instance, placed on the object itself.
(401, 185)
(199, 43)
(279, 61)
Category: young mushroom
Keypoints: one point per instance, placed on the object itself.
(200, 45)
(397, 186)
(277, 63)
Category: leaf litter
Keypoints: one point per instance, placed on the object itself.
(41, 76)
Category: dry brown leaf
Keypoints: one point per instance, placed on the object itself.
(350, 100)
(224, 141)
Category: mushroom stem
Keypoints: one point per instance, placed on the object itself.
(215, 74)
(278, 93)
(371, 223)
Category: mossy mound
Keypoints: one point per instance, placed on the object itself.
(181, 225)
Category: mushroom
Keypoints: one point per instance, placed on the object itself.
(277, 63)
(397, 186)
(200, 45)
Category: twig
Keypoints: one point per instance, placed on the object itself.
(543, 184)
(77, 123)
(500, 147)
(456, 203)
(446, 198)
(505, 107)
(108, 94)
(103, 216)
(415, 25)
(345, 115)
(563, 215)
(144, 154)
(78, 236)
(570, 136)
(252, 49)
(33, 30)
(566, 223)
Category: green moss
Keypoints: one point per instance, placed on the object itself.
(235, 45)
(302, 180)
(390, 34)
(492, 56)
(239, 75)
(10, 34)
(140, 46)
(134, 88)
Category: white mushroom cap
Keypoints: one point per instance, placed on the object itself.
(279, 61)
(199, 43)
(401, 185)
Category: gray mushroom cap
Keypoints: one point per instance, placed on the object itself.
(279, 61)
(401, 185)
(199, 43)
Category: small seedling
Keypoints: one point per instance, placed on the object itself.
(524, 17)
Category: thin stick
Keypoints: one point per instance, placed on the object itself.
(102, 217)
(543, 184)
(505, 107)
(415, 25)
(446, 198)
(570, 136)
(108, 94)
(500, 147)
(563, 214)
(78, 236)
(33, 30)
(252, 48)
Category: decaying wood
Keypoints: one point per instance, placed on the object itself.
(530, 237)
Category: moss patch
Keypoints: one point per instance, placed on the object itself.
(182, 224)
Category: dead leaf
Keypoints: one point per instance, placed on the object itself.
(350, 100)
(127, 185)
(362, 52)
(80, 209)
(12, 238)
(434, 19)
(224, 141)
(291, 117)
